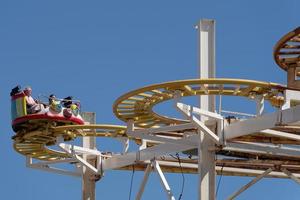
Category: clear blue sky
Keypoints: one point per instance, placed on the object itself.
(98, 50)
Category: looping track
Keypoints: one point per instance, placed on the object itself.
(287, 50)
(138, 105)
(35, 143)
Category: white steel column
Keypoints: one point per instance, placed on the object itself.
(206, 162)
(88, 183)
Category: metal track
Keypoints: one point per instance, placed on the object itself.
(287, 50)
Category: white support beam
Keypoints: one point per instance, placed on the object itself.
(188, 109)
(260, 105)
(145, 179)
(79, 150)
(125, 145)
(211, 135)
(146, 154)
(252, 182)
(256, 148)
(172, 128)
(262, 122)
(163, 181)
(41, 163)
(163, 139)
(291, 175)
(281, 134)
(68, 150)
(47, 168)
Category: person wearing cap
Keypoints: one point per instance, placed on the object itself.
(32, 105)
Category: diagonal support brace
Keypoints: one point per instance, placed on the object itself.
(291, 175)
(188, 110)
(245, 187)
(71, 150)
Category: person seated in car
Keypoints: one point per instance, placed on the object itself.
(32, 105)
(67, 102)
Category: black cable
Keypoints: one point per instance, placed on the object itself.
(183, 178)
(131, 182)
(219, 180)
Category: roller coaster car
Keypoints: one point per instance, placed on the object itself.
(55, 113)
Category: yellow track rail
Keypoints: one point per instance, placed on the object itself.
(287, 50)
(138, 105)
(35, 143)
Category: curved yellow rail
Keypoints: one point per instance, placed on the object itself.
(287, 50)
(138, 104)
(35, 143)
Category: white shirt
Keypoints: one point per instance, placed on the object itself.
(30, 101)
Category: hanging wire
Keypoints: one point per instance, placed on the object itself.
(131, 182)
(219, 180)
(183, 178)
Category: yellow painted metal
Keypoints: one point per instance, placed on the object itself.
(35, 143)
(142, 105)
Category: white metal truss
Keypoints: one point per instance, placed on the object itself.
(281, 134)
(155, 165)
(151, 134)
(263, 122)
(188, 112)
(257, 148)
(146, 154)
(47, 166)
(75, 151)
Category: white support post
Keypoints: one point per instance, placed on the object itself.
(245, 187)
(260, 105)
(125, 145)
(145, 179)
(206, 162)
(89, 184)
(163, 180)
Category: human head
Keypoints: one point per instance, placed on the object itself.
(52, 96)
(28, 90)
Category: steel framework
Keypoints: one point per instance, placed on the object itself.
(263, 145)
